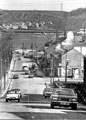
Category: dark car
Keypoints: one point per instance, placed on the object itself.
(49, 88)
(30, 75)
(64, 97)
(15, 76)
(39, 73)
(47, 92)
(27, 72)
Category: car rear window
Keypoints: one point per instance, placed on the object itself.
(13, 91)
(66, 92)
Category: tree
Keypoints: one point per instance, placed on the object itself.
(6, 46)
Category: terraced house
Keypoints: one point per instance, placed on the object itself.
(74, 58)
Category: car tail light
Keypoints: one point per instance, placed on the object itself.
(73, 100)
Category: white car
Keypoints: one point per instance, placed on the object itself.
(13, 94)
(30, 75)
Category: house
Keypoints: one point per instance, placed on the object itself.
(75, 61)
(75, 64)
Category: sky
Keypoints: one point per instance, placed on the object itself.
(57, 5)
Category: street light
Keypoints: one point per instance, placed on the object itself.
(52, 69)
(66, 65)
(1, 73)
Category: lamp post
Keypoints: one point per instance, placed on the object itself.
(1, 74)
(66, 65)
(52, 69)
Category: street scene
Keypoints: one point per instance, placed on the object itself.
(42, 60)
(33, 105)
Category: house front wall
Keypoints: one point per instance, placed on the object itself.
(75, 64)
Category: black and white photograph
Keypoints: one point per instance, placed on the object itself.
(42, 60)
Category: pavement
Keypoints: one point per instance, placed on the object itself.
(6, 83)
(69, 80)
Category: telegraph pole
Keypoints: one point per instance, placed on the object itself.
(66, 71)
(66, 64)
(84, 69)
(52, 69)
(1, 75)
(61, 6)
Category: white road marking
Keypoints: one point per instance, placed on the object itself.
(7, 110)
(36, 107)
(4, 116)
(38, 110)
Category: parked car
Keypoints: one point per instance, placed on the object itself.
(49, 87)
(59, 84)
(30, 75)
(39, 73)
(64, 97)
(15, 76)
(19, 58)
(13, 94)
(27, 72)
(47, 91)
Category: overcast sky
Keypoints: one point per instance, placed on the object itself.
(65, 5)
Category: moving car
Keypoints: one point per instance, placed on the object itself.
(15, 76)
(13, 94)
(64, 97)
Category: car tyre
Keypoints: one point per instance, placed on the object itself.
(6, 100)
(18, 100)
(45, 97)
(52, 106)
(74, 107)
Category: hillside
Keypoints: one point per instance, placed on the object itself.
(56, 17)
(73, 20)
(76, 19)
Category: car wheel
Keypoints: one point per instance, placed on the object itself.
(74, 107)
(6, 100)
(18, 100)
(45, 97)
(52, 106)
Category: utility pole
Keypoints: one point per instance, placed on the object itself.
(61, 6)
(66, 64)
(1, 74)
(84, 69)
(52, 69)
(1, 68)
(66, 71)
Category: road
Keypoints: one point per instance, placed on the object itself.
(33, 105)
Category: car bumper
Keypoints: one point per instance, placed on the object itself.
(63, 103)
(13, 98)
